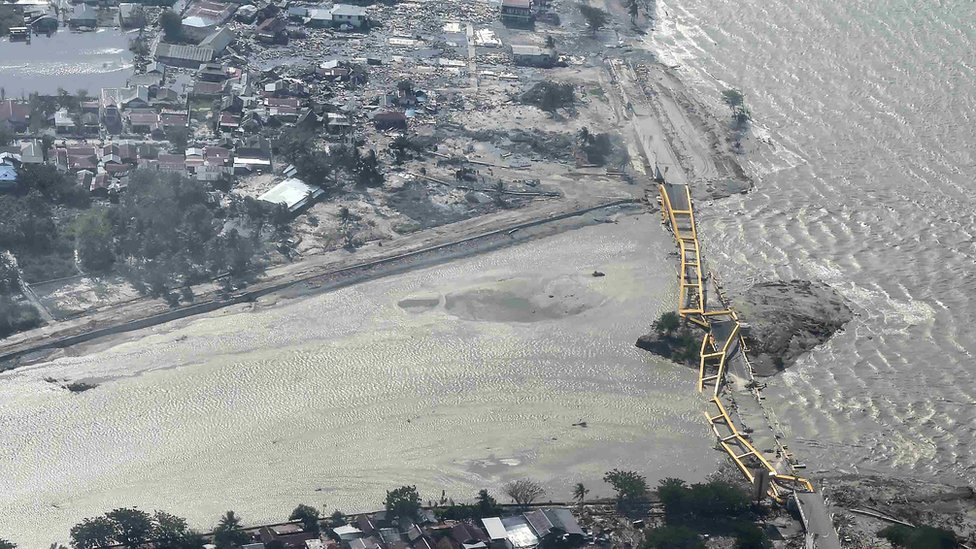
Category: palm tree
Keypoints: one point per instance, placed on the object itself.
(228, 532)
(579, 493)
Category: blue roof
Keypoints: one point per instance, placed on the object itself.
(8, 173)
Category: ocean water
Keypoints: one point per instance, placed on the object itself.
(454, 378)
(71, 60)
(866, 115)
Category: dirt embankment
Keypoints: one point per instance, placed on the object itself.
(786, 319)
(912, 501)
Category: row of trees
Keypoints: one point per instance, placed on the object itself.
(165, 234)
(328, 168)
(712, 507)
(630, 487)
(550, 96)
(715, 508)
(132, 528)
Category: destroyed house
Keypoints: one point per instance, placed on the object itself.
(14, 115)
(134, 98)
(533, 56)
(219, 40)
(131, 15)
(171, 162)
(517, 11)
(272, 30)
(319, 17)
(182, 56)
(390, 120)
(287, 535)
(143, 123)
(173, 119)
(151, 80)
(8, 178)
(206, 90)
(211, 72)
(83, 16)
(251, 159)
(31, 152)
(63, 123)
(345, 14)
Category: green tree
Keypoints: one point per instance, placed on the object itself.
(93, 240)
(6, 136)
(633, 8)
(579, 493)
(667, 323)
(595, 17)
(93, 533)
(750, 536)
(293, 143)
(309, 517)
(367, 170)
(16, 316)
(228, 533)
(178, 136)
(921, 537)
(55, 185)
(169, 531)
(4, 544)
(631, 487)
(672, 537)
(172, 26)
(523, 491)
(735, 100)
(132, 526)
(487, 506)
(398, 148)
(705, 501)
(9, 276)
(337, 518)
(403, 502)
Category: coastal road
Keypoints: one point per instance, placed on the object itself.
(818, 521)
(650, 134)
(472, 65)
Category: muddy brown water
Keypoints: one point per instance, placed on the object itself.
(333, 399)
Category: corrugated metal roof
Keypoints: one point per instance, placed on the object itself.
(189, 53)
(495, 528)
(519, 532)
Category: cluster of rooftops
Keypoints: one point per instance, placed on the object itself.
(545, 527)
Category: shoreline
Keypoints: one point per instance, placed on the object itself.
(341, 274)
(295, 373)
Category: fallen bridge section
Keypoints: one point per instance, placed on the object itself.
(722, 350)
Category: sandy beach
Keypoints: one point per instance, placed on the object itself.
(452, 378)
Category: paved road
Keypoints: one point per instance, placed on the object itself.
(818, 521)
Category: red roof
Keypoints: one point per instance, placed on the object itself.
(170, 119)
(216, 153)
(14, 111)
(282, 102)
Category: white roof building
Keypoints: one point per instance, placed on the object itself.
(520, 533)
(293, 193)
(495, 528)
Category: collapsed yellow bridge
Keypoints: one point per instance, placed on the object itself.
(722, 340)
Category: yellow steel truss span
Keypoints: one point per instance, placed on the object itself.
(722, 336)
